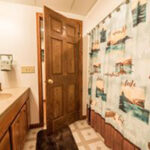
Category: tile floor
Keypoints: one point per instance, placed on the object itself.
(85, 137)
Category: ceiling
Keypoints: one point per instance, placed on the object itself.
(80, 7)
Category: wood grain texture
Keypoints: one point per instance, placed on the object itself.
(112, 138)
(56, 50)
(62, 66)
(12, 112)
(71, 98)
(56, 25)
(70, 58)
(5, 142)
(19, 129)
(39, 17)
(109, 135)
(127, 145)
(58, 101)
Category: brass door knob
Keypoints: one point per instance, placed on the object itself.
(50, 81)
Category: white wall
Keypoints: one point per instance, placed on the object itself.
(18, 37)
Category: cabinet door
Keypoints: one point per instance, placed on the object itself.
(19, 129)
(15, 131)
(23, 125)
(5, 142)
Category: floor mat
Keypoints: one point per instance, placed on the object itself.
(61, 140)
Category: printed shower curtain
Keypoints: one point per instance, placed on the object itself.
(119, 71)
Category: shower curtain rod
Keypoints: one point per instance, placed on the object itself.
(109, 15)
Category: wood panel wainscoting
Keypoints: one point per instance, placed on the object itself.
(112, 137)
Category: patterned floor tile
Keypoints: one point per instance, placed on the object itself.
(89, 134)
(30, 145)
(76, 137)
(98, 146)
(81, 148)
(72, 127)
(85, 137)
(32, 134)
(82, 124)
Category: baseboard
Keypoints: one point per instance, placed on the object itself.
(36, 125)
(83, 117)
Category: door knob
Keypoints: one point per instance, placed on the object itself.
(50, 81)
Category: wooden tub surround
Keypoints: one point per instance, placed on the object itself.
(14, 119)
(112, 137)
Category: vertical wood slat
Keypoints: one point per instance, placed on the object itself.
(109, 135)
(113, 138)
(103, 127)
(93, 119)
(118, 141)
(127, 145)
(88, 115)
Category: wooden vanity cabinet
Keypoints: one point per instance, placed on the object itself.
(19, 129)
(5, 142)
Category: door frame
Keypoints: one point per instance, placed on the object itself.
(39, 16)
(80, 80)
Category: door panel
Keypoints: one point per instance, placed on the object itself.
(56, 25)
(58, 101)
(70, 58)
(71, 98)
(56, 55)
(70, 31)
(62, 70)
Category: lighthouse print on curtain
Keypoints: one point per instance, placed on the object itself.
(119, 74)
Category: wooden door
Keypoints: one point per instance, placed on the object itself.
(62, 70)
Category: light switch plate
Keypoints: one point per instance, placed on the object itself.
(28, 69)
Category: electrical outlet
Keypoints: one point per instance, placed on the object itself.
(28, 69)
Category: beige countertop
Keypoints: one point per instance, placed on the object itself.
(15, 94)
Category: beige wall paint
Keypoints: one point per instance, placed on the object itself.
(18, 37)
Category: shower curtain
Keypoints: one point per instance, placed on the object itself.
(119, 71)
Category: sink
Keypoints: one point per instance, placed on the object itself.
(4, 96)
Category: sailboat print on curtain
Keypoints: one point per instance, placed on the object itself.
(139, 11)
(119, 89)
(124, 66)
(100, 89)
(103, 35)
(116, 40)
(132, 98)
